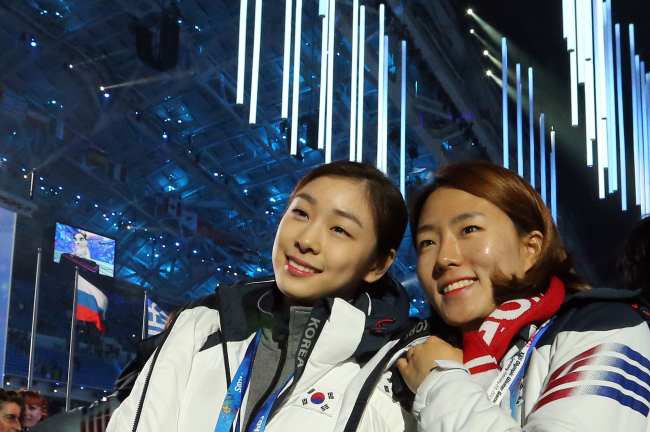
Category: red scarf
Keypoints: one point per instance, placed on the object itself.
(484, 349)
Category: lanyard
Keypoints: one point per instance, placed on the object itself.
(517, 384)
(512, 374)
(259, 424)
(233, 401)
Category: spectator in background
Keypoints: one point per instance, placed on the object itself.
(12, 407)
(35, 407)
(634, 260)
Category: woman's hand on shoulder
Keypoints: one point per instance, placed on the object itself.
(421, 360)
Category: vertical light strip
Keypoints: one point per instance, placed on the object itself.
(601, 94)
(322, 8)
(504, 101)
(590, 115)
(380, 87)
(590, 105)
(602, 156)
(573, 63)
(641, 135)
(255, 73)
(553, 178)
(600, 30)
(612, 156)
(286, 69)
(573, 58)
(531, 126)
(542, 156)
(295, 112)
(571, 23)
(360, 88)
(385, 121)
(644, 133)
(354, 78)
(322, 107)
(635, 114)
(621, 120)
(241, 62)
(330, 80)
(587, 19)
(601, 139)
(520, 131)
(580, 40)
(565, 19)
(645, 183)
(645, 159)
(402, 137)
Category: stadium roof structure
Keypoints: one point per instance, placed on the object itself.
(118, 145)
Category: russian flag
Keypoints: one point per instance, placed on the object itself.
(91, 304)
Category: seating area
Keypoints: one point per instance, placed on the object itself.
(53, 365)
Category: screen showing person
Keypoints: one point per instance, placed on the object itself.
(93, 248)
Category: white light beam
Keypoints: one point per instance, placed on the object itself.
(354, 76)
(255, 74)
(542, 156)
(621, 122)
(286, 68)
(635, 114)
(504, 101)
(402, 138)
(330, 80)
(360, 90)
(380, 87)
(520, 132)
(322, 107)
(295, 111)
(531, 126)
(241, 62)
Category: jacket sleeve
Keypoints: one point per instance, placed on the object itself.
(595, 381)
(450, 400)
(168, 380)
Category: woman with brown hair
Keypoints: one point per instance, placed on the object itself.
(540, 351)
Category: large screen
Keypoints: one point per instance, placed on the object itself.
(84, 248)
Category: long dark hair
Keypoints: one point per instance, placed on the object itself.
(634, 258)
(524, 206)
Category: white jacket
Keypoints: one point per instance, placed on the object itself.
(589, 372)
(185, 388)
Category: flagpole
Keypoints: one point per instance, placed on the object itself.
(145, 314)
(32, 343)
(72, 335)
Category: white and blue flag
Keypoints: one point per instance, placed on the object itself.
(157, 319)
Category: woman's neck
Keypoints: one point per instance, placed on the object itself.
(287, 302)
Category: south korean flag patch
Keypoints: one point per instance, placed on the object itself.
(320, 399)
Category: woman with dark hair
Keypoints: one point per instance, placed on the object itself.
(634, 259)
(294, 350)
(540, 351)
